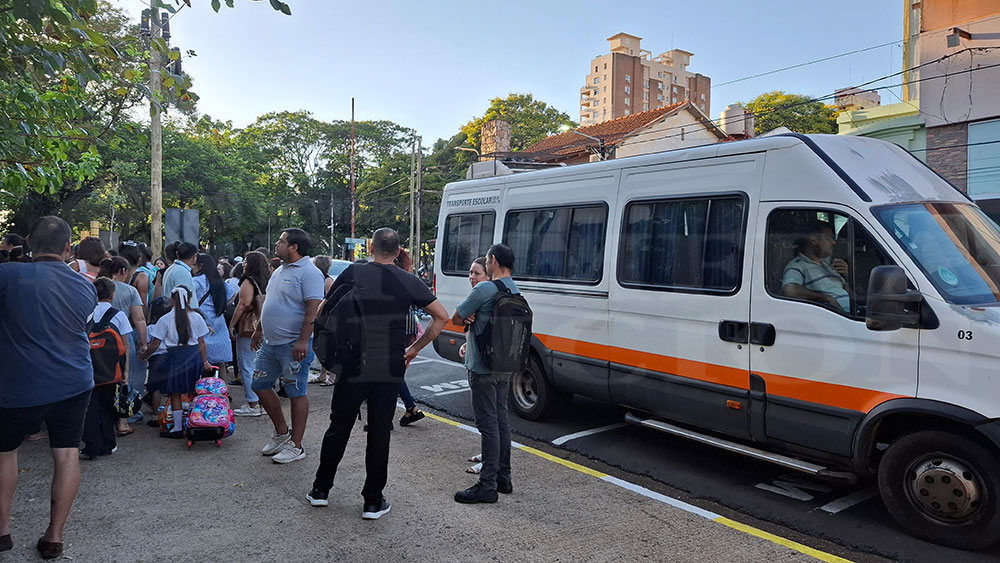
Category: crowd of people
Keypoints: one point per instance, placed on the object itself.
(185, 314)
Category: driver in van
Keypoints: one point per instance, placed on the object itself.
(814, 274)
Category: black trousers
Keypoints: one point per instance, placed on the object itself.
(344, 408)
(101, 422)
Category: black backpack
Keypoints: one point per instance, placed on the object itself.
(339, 331)
(107, 350)
(506, 342)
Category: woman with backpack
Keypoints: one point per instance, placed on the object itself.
(253, 284)
(183, 332)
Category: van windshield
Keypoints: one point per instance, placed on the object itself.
(955, 244)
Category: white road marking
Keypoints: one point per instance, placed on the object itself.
(440, 361)
(843, 503)
(563, 439)
(791, 486)
(421, 361)
(660, 497)
(447, 385)
(450, 392)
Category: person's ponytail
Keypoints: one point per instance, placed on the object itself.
(180, 297)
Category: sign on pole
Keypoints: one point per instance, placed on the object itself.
(182, 225)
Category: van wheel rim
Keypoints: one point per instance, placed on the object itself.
(525, 390)
(944, 489)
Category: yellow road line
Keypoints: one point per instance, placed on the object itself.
(821, 555)
(756, 532)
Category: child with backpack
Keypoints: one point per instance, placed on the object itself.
(182, 331)
(156, 378)
(110, 356)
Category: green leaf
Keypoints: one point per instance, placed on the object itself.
(129, 74)
(281, 7)
(230, 3)
(216, 5)
(121, 90)
(169, 82)
(173, 55)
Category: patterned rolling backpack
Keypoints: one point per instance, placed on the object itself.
(211, 416)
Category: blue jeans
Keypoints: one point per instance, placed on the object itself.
(489, 404)
(274, 361)
(404, 394)
(245, 358)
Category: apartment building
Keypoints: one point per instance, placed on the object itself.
(629, 79)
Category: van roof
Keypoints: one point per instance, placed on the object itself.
(877, 171)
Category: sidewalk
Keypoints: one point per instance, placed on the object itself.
(156, 501)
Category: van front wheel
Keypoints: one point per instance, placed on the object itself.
(532, 397)
(943, 488)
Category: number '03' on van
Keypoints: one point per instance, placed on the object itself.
(826, 303)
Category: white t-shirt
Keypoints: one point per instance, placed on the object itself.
(166, 329)
(119, 320)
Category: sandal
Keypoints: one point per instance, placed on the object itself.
(477, 457)
(127, 432)
(475, 469)
(326, 383)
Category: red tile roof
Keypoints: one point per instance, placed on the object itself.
(611, 132)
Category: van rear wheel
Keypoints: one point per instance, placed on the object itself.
(532, 397)
(944, 488)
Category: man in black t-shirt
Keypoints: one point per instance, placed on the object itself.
(387, 293)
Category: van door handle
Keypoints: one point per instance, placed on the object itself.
(734, 331)
(762, 334)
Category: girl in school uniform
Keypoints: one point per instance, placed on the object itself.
(182, 331)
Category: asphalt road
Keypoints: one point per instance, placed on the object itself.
(853, 517)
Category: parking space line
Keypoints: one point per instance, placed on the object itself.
(670, 501)
(440, 361)
(464, 389)
(843, 503)
(563, 439)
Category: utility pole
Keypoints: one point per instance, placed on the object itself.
(413, 176)
(155, 136)
(331, 222)
(420, 193)
(354, 201)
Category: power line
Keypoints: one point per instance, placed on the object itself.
(799, 65)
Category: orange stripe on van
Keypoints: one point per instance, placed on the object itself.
(831, 394)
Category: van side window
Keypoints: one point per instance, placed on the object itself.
(565, 243)
(685, 244)
(466, 237)
(821, 257)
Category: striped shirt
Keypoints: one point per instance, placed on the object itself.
(816, 276)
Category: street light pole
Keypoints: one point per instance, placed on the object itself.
(601, 150)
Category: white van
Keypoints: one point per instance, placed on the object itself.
(826, 303)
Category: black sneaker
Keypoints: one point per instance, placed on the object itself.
(6, 543)
(172, 434)
(504, 487)
(474, 494)
(317, 497)
(375, 510)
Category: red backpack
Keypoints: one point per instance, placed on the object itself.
(107, 350)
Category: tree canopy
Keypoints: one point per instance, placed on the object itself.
(531, 120)
(794, 111)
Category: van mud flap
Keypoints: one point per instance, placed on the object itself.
(818, 471)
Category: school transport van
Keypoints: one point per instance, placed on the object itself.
(825, 303)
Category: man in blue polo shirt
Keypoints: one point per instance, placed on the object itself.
(282, 341)
(46, 374)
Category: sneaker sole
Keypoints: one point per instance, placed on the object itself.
(317, 502)
(375, 515)
(289, 460)
(477, 501)
(247, 413)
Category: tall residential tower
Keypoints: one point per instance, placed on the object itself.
(630, 80)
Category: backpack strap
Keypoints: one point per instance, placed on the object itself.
(501, 287)
(106, 319)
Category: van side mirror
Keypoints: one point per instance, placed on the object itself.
(891, 305)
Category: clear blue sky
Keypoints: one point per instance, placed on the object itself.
(433, 66)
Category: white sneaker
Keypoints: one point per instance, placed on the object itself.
(276, 442)
(247, 410)
(289, 453)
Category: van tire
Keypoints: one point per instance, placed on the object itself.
(532, 396)
(943, 488)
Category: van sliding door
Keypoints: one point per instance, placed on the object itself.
(679, 312)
